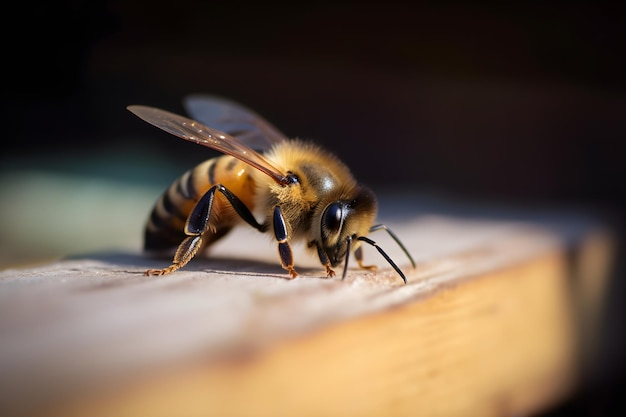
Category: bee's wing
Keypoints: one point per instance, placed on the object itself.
(234, 119)
(212, 138)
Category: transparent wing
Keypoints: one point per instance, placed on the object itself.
(212, 138)
(233, 118)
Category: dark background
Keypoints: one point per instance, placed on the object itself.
(522, 104)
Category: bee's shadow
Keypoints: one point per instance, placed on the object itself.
(139, 263)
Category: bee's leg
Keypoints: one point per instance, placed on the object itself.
(323, 259)
(241, 209)
(198, 223)
(284, 250)
(358, 254)
(185, 252)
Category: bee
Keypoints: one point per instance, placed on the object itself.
(303, 192)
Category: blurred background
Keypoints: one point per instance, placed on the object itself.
(522, 105)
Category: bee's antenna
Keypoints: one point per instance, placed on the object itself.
(394, 237)
(382, 252)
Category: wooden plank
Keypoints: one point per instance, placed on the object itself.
(488, 325)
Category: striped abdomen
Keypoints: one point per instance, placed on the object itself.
(165, 227)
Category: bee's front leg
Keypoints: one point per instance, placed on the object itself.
(281, 235)
(358, 254)
(323, 259)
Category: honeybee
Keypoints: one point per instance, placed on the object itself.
(303, 192)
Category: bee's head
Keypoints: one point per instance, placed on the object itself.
(345, 224)
(344, 220)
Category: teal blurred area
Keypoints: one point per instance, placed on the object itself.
(48, 215)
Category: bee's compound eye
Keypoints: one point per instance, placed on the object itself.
(332, 219)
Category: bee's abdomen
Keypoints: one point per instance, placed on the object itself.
(166, 224)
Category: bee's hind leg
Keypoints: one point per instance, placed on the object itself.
(185, 252)
(197, 225)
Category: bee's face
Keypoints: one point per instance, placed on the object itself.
(342, 220)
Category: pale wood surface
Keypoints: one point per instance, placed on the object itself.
(488, 325)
